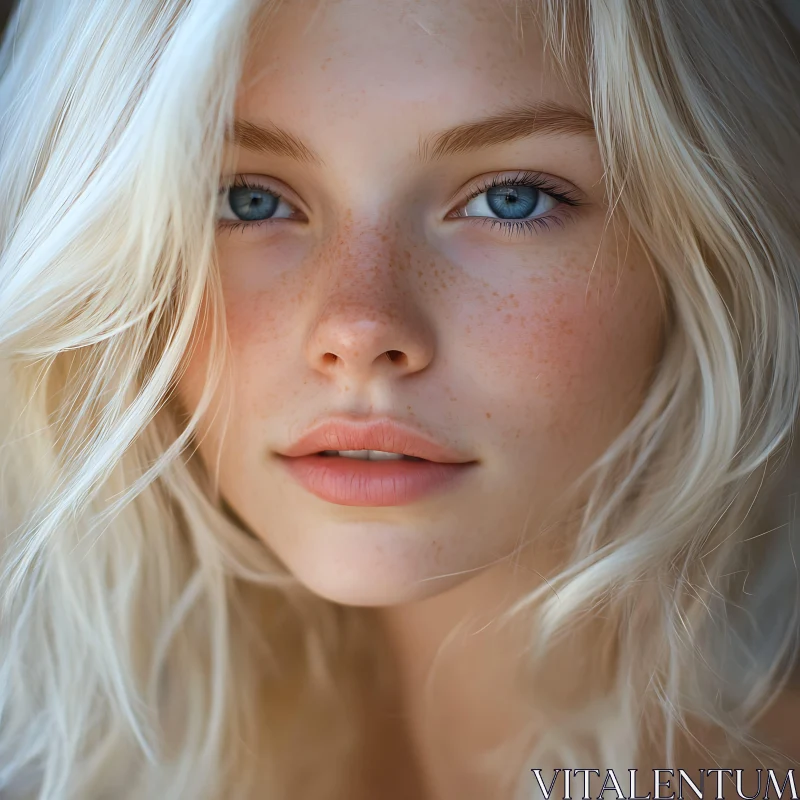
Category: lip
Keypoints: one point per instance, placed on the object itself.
(378, 434)
(356, 482)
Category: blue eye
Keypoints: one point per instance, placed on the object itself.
(252, 204)
(518, 203)
(243, 202)
(513, 198)
(512, 202)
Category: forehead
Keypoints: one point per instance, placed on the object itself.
(415, 56)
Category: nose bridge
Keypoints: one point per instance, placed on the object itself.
(366, 260)
(365, 304)
(365, 271)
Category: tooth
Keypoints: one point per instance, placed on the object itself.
(380, 455)
(366, 455)
(370, 455)
(362, 454)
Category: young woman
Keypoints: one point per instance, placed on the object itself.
(398, 398)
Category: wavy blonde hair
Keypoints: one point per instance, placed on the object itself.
(150, 647)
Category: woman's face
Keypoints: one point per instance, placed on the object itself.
(465, 286)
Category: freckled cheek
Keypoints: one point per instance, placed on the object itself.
(265, 337)
(253, 320)
(262, 292)
(562, 349)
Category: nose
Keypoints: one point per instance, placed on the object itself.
(368, 322)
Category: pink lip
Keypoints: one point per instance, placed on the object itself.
(354, 482)
(357, 482)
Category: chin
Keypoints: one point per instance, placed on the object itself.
(365, 593)
(370, 568)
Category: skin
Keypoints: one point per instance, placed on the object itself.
(529, 353)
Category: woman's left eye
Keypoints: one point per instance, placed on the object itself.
(518, 203)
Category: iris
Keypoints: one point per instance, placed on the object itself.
(252, 204)
(512, 202)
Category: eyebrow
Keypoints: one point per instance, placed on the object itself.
(506, 126)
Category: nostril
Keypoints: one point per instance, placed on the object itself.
(395, 355)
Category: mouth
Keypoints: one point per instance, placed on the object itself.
(373, 462)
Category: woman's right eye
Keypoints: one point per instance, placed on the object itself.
(247, 202)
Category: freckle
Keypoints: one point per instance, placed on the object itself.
(509, 317)
(488, 415)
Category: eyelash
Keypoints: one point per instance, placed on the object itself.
(536, 180)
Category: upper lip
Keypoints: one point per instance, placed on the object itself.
(376, 434)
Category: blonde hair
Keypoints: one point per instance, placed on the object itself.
(149, 647)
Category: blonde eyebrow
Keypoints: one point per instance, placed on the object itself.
(506, 126)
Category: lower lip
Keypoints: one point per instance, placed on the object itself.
(358, 482)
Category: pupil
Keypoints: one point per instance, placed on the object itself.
(512, 202)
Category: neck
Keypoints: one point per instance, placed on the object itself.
(470, 713)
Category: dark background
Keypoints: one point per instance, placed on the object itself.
(5, 10)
